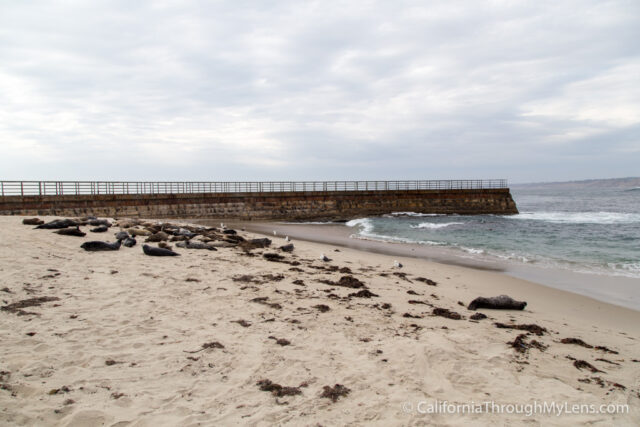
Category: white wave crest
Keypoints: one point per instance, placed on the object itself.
(364, 223)
(413, 214)
(435, 226)
(579, 217)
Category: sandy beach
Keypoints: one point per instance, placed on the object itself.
(229, 337)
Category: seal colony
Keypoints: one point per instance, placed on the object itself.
(245, 329)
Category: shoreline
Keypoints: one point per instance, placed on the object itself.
(619, 291)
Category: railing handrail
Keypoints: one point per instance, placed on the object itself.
(61, 188)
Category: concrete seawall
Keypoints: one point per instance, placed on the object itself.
(316, 205)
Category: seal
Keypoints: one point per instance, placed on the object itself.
(96, 222)
(195, 245)
(58, 223)
(160, 236)
(100, 229)
(32, 221)
(95, 246)
(122, 235)
(501, 302)
(150, 250)
(129, 242)
(71, 232)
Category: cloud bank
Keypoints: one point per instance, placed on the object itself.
(199, 90)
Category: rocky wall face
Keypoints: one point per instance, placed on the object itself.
(276, 206)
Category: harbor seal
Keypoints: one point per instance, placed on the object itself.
(160, 236)
(71, 232)
(58, 223)
(122, 235)
(195, 245)
(138, 232)
(502, 302)
(95, 246)
(96, 222)
(129, 242)
(32, 221)
(150, 250)
(100, 229)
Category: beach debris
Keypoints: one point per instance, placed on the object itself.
(607, 361)
(277, 390)
(17, 307)
(242, 323)
(501, 302)
(324, 258)
(335, 392)
(322, 308)
(287, 248)
(414, 301)
(346, 282)
(263, 300)
(58, 223)
(411, 316)
(522, 346)
(95, 245)
(533, 328)
(273, 257)
(427, 281)
(151, 251)
(32, 221)
(100, 229)
(397, 264)
(581, 364)
(478, 316)
(280, 341)
(71, 232)
(63, 389)
(365, 293)
(403, 276)
(205, 346)
(445, 312)
(578, 341)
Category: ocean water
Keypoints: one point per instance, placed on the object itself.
(587, 230)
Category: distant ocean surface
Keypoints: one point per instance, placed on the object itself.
(587, 230)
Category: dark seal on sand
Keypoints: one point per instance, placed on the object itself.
(150, 250)
(32, 221)
(100, 229)
(129, 242)
(59, 223)
(71, 232)
(95, 246)
(502, 302)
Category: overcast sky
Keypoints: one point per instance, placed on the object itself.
(269, 90)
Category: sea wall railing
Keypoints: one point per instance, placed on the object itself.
(63, 188)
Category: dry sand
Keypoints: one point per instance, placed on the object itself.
(123, 343)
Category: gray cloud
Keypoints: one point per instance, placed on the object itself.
(319, 90)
